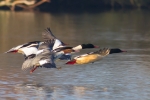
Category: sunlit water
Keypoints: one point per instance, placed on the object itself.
(123, 76)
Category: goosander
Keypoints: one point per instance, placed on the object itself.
(45, 57)
(76, 48)
(31, 48)
(93, 56)
(72, 50)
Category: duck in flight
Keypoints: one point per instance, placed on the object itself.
(37, 53)
(45, 57)
(93, 56)
(73, 50)
(43, 54)
(30, 49)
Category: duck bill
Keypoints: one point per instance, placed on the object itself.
(96, 46)
(124, 51)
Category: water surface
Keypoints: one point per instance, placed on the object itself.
(123, 76)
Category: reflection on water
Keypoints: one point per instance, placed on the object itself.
(122, 76)
(34, 91)
(40, 92)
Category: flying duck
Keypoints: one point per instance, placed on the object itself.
(30, 49)
(72, 50)
(45, 57)
(93, 56)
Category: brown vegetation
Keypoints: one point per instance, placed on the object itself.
(25, 4)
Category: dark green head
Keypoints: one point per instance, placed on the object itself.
(85, 46)
(116, 50)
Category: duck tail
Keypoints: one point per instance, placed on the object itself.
(72, 62)
(103, 52)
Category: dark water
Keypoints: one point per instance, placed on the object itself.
(123, 76)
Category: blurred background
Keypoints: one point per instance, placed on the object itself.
(73, 5)
(123, 24)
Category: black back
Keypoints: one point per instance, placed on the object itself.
(33, 42)
(61, 48)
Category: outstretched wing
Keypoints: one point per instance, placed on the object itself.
(48, 35)
(103, 52)
(29, 44)
(27, 64)
(47, 60)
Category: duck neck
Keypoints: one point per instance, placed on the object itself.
(79, 47)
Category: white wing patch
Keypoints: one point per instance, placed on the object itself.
(57, 44)
(29, 51)
(39, 51)
(42, 62)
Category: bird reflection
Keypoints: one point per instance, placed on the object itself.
(34, 90)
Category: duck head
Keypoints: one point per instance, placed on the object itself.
(116, 50)
(84, 46)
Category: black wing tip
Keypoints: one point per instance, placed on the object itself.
(48, 29)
